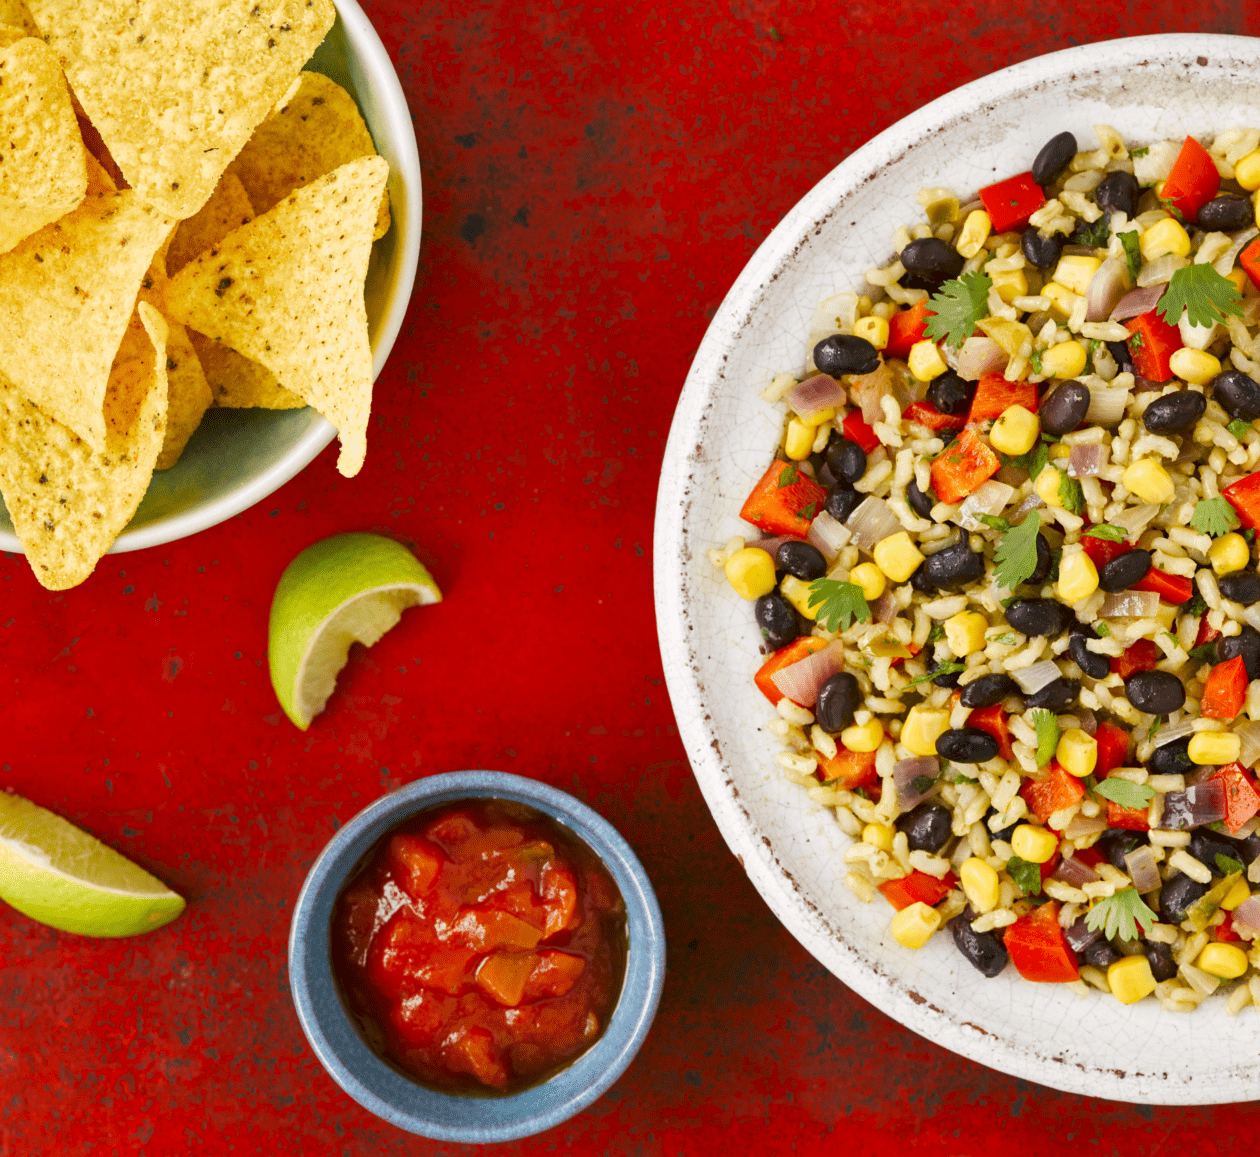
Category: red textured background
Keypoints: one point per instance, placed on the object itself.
(595, 178)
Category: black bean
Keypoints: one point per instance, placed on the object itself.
(1247, 644)
(1094, 665)
(931, 258)
(1041, 252)
(1120, 355)
(802, 560)
(920, 503)
(967, 745)
(846, 460)
(988, 690)
(838, 698)
(949, 679)
(1178, 894)
(951, 394)
(955, 566)
(842, 501)
(1065, 409)
(1053, 158)
(984, 951)
(844, 353)
(1155, 692)
(1160, 957)
(1241, 587)
(920, 581)
(1172, 758)
(1206, 845)
(1045, 560)
(1173, 413)
(1116, 843)
(1101, 954)
(1238, 394)
(777, 620)
(927, 827)
(1056, 696)
(1003, 833)
(1118, 191)
(1226, 214)
(1039, 616)
(1248, 848)
(1125, 570)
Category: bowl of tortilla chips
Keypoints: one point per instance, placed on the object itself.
(209, 230)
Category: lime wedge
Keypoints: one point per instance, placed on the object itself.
(59, 875)
(350, 588)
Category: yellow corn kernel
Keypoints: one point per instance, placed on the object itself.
(965, 633)
(1011, 336)
(912, 927)
(1075, 270)
(874, 330)
(939, 205)
(1016, 431)
(1010, 284)
(1227, 961)
(1034, 844)
(897, 556)
(1130, 979)
(974, 233)
(980, 884)
(1213, 748)
(1255, 201)
(1078, 577)
(863, 737)
(925, 361)
(1061, 299)
(922, 728)
(1198, 367)
(799, 443)
(1229, 553)
(1148, 480)
(1247, 171)
(1065, 360)
(1236, 895)
(751, 572)
(1238, 277)
(1162, 238)
(1047, 486)
(870, 578)
(1077, 752)
(796, 591)
(880, 835)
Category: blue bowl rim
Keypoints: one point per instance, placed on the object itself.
(384, 1091)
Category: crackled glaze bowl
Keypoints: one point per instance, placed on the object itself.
(723, 436)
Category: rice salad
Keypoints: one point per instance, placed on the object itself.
(1003, 563)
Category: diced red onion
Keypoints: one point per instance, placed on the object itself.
(1137, 302)
(1106, 288)
(1033, 679)
(1141, 385)
(1203, 803)
(989, 498)
(1250, 311)
(1030, 503)
(771, 545)
(828, 535)
(1248, 913)
(800, 681)
(1087, 461)
(1106, 404)
(906, 771)
(869, 391)
(1087, 721)
(885, 609)
(814, 395)
(1134, 519)
(1072, 871)
(871, 523)
(1143, 870)
(1190, 449)
(1080, 936)
(1080, 825)
(1013, 476)
(1249, 752)
(980, 355)
(1173, 731)
(1129, 605)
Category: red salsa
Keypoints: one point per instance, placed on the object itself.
(481, 946)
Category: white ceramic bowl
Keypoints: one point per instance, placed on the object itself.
(238, 457)
(723, 438)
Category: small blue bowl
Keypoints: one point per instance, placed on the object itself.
(383, 1090)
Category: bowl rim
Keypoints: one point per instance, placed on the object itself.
(680, 639)
(360, 1072)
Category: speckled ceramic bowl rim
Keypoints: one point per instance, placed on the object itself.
(682, 640)
(381, 1089)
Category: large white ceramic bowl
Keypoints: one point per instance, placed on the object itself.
(723, 438)
(238, 457)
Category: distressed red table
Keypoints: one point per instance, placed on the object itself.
(595, 178)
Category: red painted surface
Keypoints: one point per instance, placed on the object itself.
(595, 178)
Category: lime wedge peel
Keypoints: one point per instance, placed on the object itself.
(350, 588)
(60, 875)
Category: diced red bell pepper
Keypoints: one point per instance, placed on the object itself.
(993, 720)
(779, 509)
(794, 652)
(1192, 182)
(1141, 656)
(1038, 948)
(994, 395)
(1226, 689)
(906, 327)
(917, 888)
(1249, 259)
(848, 769)
(1102, 550)
(1011, 202)
(1113, 748)
(856, 430)
(928, 415)
(1090, 857)
(1244, 497)
(1225, 929)
(963, 468)
(1206, 633)
(1132, 819)
(913, 648)
(1153, 343)
(1048, 868)
(1241, 798)
(1055, 790)
(1172, 588)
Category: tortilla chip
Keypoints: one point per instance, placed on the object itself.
(16, 13)
(68, 503)
(177, 89)
(10, 35)
(94, 145)
(99, 181)
(43, 175)
(316, 130)
(287, 291)
(66, 295)
(228, 209)
(238, 383)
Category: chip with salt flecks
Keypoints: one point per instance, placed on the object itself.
(16, 13)
(318, 128)
(287, 291)
(44, 174)
(238, 382)
(66, 295)
(67, 501)
(228, 208)
(10, 35)
(176, 89)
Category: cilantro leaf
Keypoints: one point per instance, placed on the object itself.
(1027, 876)
(841, 603)
(1071, 494)
(1047, 725)
(790, 475)
(1107, 532)
(1034, 360)
(1016, 553)
(1202, 293)
(1096, 234)
(937, 633)
(1135, 153)
(1226, 864)
(1204, 653)
(1126, 794)
(923, 783)
(1034, 461)
(1159, 719)
(994, 521)
(1007, 639)
(1238, 427)
(960, 778)
(1196, 605)
(808, 512)
(1102, 630)
(1122, 915)
(1214, 516)
(949, 667)
(1132, 252)
(959, 305)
